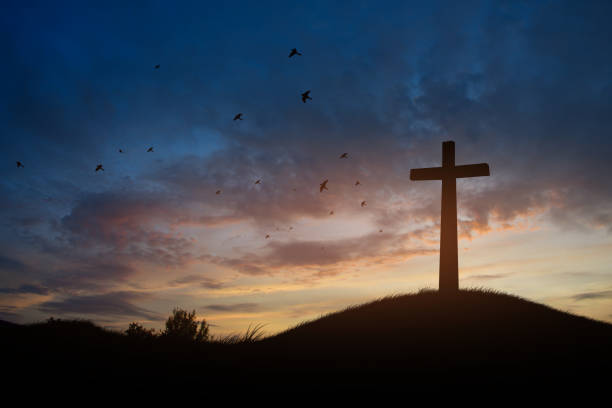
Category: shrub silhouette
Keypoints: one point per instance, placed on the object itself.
(181, 325)
(136, 330)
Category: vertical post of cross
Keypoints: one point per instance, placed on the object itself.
(449, 268)
(448, 173)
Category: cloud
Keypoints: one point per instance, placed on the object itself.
(236, 307)
(196, 280)
(10, 264)
(326, 258)
(116, 304)
(26, 289)
(8, 313)
(602, 294)
(487, 276)
(93, 276)
(129, 224)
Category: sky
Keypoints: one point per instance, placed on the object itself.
(525, 86)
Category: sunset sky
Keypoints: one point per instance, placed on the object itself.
(523, 86)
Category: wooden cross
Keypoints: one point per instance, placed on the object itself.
(449, 173)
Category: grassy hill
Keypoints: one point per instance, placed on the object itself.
(473, 337)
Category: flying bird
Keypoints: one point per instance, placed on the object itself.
(343, 156)
(157, 66)
(120, 150)
(357, 183)
(363, 203)
(150, 149)
(238, 116)
(99, 167)
(258, 181)
(331, 212)
(294, 52)
(379, 230)
(267, 236)
(323, 186)
(306, 96)
(290, 228)
(19, 164)
(218, 192)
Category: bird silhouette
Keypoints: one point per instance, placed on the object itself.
(357, 183)
(323, 186)
(343, 156)
(99, 167)
(294, 52)
(258, 181)
(331, 212)
(267, 236)
(218, 192)
(157, 66)
(290, 228)
(379, 230)
(238, 116)
(120, 150)
(363, 203)
(150, 149)
(306, 96)
(19, 164)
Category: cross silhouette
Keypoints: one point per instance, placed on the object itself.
(449, 173)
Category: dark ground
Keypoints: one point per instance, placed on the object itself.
(475, 339)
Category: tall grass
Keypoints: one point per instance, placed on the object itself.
(252, 334)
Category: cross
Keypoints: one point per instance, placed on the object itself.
(449, 173)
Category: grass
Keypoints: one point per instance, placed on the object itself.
(252, 334)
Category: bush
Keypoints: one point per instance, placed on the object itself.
(136, 330)
(181, 325)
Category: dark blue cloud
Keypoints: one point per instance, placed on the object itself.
(26, 289)
(116, 304)
(10, 264)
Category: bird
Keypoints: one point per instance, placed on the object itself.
(218, 192)
(290, 228)
(99, 167)
(19, 164)
(306, 96)
(343, 156)
(157, 66)
(238, 116)
(150, 149)
(331, 212)
(363, 203)
(295, 189)
(258, 181)
(323, 186)
(267, 236)
(294, 52)
(357, 183)
(379, 230)
(120, 150)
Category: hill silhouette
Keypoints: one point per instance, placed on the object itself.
(472, 337)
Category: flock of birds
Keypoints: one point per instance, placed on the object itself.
(305, 97)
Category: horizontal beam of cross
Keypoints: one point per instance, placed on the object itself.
(439, 173)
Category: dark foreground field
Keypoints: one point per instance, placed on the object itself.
(474, 338)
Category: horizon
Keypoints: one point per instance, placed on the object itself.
(388, 85)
